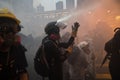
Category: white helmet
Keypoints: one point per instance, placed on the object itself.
(83, 44)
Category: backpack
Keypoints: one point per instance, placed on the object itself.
(40, 63)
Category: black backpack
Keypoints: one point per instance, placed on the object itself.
(40, 62)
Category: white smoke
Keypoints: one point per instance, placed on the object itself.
(64, 18)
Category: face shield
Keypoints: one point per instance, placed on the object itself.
(61, 25)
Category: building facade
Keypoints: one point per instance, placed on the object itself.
(70, 4)
(59, 5)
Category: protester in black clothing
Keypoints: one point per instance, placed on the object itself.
(52, 49)
(112, 47)
(13, 62)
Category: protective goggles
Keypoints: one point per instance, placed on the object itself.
(8, 27)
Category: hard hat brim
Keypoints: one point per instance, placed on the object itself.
(15, 19)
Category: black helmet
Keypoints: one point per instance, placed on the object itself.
(51, 28)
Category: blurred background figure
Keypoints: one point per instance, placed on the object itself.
(90, 71)
(80, 65)
(112, 47)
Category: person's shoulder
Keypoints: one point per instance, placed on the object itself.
(49, 42)
(22, 47)
(46, 40)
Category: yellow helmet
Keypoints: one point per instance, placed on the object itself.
(4, 12)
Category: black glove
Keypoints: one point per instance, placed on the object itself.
(75, 29)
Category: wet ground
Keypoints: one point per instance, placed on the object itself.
(102, 73)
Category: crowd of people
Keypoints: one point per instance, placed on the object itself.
(67, 59)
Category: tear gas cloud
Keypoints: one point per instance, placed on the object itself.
(89, 16)
(97, 20)
(97, 23)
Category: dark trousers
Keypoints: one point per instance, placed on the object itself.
(56, 73)
(114, 69)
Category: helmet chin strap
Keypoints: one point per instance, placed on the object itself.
(54, 37)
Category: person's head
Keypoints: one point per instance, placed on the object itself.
(84, 45)
(116, 38)
(117, 33)
(52, 30)
(8, 21)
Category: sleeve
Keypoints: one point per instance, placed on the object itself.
(21, 61)
(67, 44)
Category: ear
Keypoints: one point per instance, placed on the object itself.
(19, 27)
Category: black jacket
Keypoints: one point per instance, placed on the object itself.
(54, 56)
(13, 62)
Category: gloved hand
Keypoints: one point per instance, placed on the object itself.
(69, 49)
(24, 76)
(75, 29)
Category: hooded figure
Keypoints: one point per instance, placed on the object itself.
(79, 63)
(90, 71)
